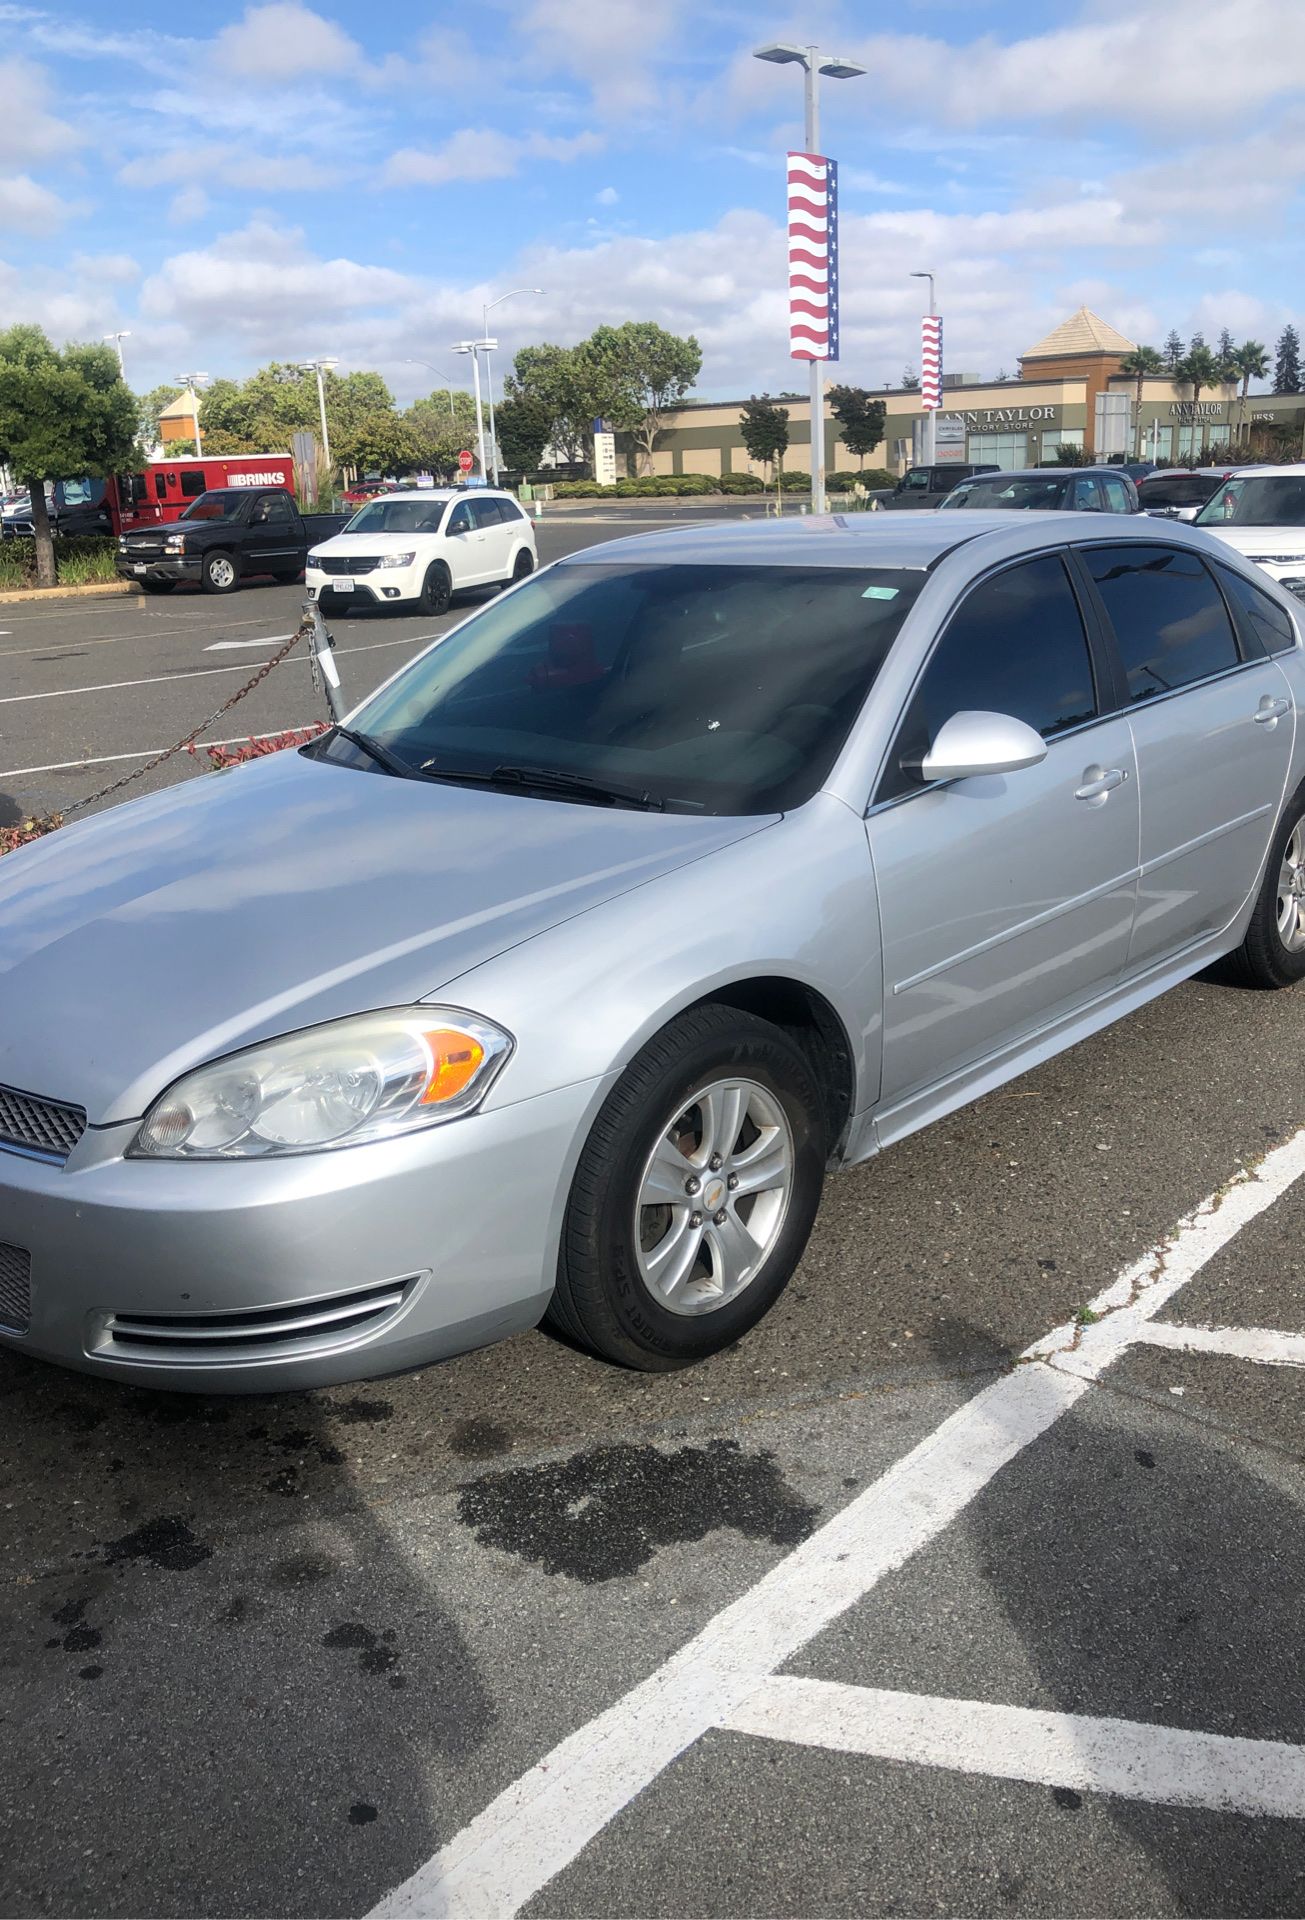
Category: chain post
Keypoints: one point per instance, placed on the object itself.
(326, 674)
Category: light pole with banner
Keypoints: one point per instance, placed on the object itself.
(192, 382)
(931, 372)
(813, 242)
(489, 374)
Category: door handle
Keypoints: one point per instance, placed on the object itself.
(1098, 782)
(1271, 709)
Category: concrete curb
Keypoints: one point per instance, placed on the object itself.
(67, 593)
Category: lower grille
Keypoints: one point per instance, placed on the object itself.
(217, 1337)
(364, 563)
(15, 1289)
(47, 1127)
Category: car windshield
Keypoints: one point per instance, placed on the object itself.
(1008, 490)
(711, 689)
(1257, 500)
(1183, 490)
(215, 505)
(398, 516)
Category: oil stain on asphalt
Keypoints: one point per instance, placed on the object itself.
(601, 1515)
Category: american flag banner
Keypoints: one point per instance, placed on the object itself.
(812, 257)
(931, 371)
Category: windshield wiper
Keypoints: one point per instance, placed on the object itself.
(375, 751)
(574, 786)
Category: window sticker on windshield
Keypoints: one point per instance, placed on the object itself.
(880, 593)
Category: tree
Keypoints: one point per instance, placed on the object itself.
(439, 428)
(860, 418)
(524, 427)
(1173, 349)
(375, 442)
(62, 415)
(763, 428)
(1140, 363)
(910, 380)
(1197, 343)
(564, 381)
(1251, 362)
(1197, 369)
(1286, 369)
(1070, 455)
(640, 372)
(1224, 347)
(281, 399)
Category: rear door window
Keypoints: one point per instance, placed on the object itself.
(1084, 495)
(1168, 615)
(1117, 500)
(1264, 620)
(486, 513)
(1015, 645)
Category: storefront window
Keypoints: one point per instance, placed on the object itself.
(1005, 450)
(1059, 437)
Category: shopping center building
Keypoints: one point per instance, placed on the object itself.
(1070, 391)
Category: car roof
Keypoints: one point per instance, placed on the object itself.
(451, 493)
(1040, 473)
(905, 542)
(1294, 468)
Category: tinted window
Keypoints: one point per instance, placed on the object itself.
(1117, 500)
(192, 485)
(161, 485)
(1084, 496)
(1016, 645)
(509, 510)
(1184, 490)
(274, 507)
(1168, 616)
(215, 505)
(1257, 500)
(459, 519)
(1008, 490)
(398, 516)
(1263, 617)
(716, 689)
(486, 513)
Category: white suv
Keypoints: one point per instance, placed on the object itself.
(421, 547)
(1261, 512)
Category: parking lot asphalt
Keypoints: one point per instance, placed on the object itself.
(968, 1583)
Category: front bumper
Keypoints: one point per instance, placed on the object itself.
(263, 1276)
(383, 586)
(179, 566)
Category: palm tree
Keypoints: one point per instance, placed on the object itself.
(1251, 361)
(1142, 361)
(1197, 369)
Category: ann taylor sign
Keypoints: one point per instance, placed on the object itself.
(1008, 419)
(1196, 410)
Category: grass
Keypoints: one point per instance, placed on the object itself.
(83, 561)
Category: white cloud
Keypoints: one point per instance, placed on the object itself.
(481, 153)
(611, 46)
(28, 130)
(606, 197)
(213, 162)
(29, 207)
(282, 40)
(113, 269)
(186, 207)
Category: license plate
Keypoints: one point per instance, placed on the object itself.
(139, 567)
(342, 586)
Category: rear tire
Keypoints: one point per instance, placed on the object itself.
(524, 564)
(1273, 952)
(436, 589)
(218, 573)
(695, 1193)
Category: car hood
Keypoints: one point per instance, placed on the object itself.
(215, 521)
(288, 891)
(346, 543)
(1262, 542)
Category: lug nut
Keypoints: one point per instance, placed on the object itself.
(715, 1163)
(718, 1219)
(692, 1185)
(695, 1219)
(733, 1182)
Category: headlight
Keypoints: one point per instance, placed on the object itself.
(314, 560)
(175, 543)
(366, 1078)
(398, 559)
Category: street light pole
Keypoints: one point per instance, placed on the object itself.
(192, 381)
(319, 367)
(472, 347)
(931, 413)
(489, 375)
(813, 63)
(448, 384)
(117, 339)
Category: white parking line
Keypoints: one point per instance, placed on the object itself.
(1170, 1765)
(195, 673)
(1270, 1348)
(539, 1823)
(263, 640)
(148, 753)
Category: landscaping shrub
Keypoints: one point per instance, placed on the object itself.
(255, 749)
(84, 560)
(742, 483)
(847, 478)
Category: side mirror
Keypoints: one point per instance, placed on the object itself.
(975, 743)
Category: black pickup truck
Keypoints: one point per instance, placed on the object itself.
(224, 537)
(928, 486)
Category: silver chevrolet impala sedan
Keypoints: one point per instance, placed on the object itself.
(555, 981)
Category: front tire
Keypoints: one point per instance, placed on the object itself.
(1273, 952)
(695, 1193)
(436, 589)
(218, 573)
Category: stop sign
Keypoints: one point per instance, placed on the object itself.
(466, 461)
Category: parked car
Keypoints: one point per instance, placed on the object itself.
(555, 978)
(224, 537)
(926, 486)
(1261, 512)
(73, 507)
(1179, 493)
(1048, 489)
(367, 490)
(422, 547)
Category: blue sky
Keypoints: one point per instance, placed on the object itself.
(235, 184)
